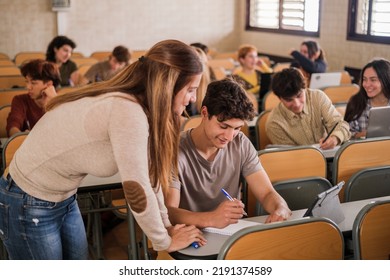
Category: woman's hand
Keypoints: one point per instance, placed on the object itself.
(182, 236)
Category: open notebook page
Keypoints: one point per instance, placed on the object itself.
(232, 228)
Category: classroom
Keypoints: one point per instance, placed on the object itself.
(223, 26)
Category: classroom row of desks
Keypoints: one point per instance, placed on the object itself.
(215, 241)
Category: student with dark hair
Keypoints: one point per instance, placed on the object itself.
(42, 79)
(59, 52)
(309, 59)
(374, 92)
(213, 156)
(105, 70)
(304, 116)
(129, 124)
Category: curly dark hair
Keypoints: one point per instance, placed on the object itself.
(227, 100)
(57, 43)
(287, 83)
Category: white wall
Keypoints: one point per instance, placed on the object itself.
(102, 24)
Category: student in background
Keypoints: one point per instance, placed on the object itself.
(213, 156)
(309, 59)
(59, 52)
(42, 79)
(374, 92)
(194, 108)
(251, 73)
(105, 70)
(128, 124)
(206, 50)
(304, 116)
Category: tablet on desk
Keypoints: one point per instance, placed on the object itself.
(378, 122)
(327, 204)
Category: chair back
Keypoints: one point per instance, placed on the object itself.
(6, 96)
(84, 68)
(262, 139)
(219, 72)
(23, 57)
(77, 55)
(357, 155)
(226, 63)
(341, 93)
(270, 101)
(191, 122)
(9, 71)
(6, 62)
(341, 107)
(84, 60)
(289, 163)
(298, 193)
(4, 56)
(302, 239)
(346, 78)
(371, 232)
(10, 147)
(12, 81)
(281, 66)
(101, 55)
(368, 183)
(4, 112)
(223, 55)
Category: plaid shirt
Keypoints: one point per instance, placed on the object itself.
(361, 123)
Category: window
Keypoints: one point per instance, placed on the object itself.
(369, 21)
(299, 17)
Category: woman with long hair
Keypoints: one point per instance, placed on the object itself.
(374, 92)
(128, 124)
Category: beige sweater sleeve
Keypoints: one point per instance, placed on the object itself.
(129, 133)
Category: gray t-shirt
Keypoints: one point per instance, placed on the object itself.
(200, 181)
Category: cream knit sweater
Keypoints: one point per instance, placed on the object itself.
(98, 136)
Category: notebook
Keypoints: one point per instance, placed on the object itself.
(327, 204)
(378, 122)
(232, 228)
(322, 80)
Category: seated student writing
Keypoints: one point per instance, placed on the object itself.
(304, 116)
(212, 156)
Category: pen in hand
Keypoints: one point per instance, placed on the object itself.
(330, 132)
(230, 198)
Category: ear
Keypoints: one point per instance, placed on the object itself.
(204, 113)
(49, 83)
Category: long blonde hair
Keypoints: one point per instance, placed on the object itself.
(204, 81)
(153, 80)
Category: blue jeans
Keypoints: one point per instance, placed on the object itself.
(35, 229)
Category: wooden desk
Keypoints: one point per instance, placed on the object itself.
(215, 241)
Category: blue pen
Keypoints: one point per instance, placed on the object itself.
(230, 198)
(195, 245)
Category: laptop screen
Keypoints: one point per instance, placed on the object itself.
(322, 80)
(378, 122)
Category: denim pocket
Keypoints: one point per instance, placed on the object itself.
(33, 202)
(4, 218)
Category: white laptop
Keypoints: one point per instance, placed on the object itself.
(378, 122)
(321, 80)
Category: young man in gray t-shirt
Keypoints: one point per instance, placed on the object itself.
(213, 156)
